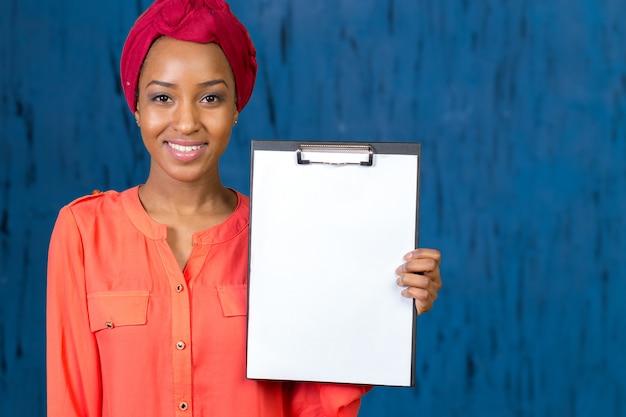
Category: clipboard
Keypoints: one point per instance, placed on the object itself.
(329, 224)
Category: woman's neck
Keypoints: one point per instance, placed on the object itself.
(186, 209)
(171, 198)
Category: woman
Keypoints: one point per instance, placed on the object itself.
(146, 311)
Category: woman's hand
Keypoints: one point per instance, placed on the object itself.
(420, 275)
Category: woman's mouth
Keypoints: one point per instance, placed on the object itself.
(185, 148)
(185, 153)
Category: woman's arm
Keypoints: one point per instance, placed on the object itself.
(73, 370)
(310, 399)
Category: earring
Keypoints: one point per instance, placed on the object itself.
(137, 121)
(235, 122)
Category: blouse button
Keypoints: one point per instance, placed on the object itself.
(109, 324)
(179, 288)
(183, 406)
(180, 345)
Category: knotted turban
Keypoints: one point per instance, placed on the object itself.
(200, 21)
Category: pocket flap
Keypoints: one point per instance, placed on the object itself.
(117, 308)
(234, 300)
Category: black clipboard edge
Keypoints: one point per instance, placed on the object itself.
(385, 148)
(388, 148)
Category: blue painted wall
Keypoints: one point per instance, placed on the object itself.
(521, 109)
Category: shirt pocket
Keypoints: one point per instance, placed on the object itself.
(233, 299)
(111, 309)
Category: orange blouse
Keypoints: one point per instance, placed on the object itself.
(130, 334)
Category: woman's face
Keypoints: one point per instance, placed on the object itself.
(186, 109)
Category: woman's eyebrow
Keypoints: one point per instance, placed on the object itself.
(161, 83)
(211, 83)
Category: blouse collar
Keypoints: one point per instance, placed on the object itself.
(235, 224)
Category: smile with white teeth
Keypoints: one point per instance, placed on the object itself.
(182, 148)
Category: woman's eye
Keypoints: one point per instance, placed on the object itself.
(211, 98)
(162, 98)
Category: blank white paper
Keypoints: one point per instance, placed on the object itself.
(324, 245)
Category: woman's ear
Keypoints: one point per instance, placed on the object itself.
(235, 117)
(137, 117)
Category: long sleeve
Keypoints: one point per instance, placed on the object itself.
(326, 400)
(73, 370)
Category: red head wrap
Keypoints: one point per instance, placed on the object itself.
(200, 21)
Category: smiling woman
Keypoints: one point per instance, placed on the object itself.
(186, 110)
(147, 288)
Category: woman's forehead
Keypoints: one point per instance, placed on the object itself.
(168, 52)
(180, 62)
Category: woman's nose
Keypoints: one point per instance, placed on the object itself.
(186, 117)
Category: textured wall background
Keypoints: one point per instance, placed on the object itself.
(521, 109)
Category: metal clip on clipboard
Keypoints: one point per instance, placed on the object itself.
(336, 154)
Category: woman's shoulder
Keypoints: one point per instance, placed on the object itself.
(98, 201)
(95, 194)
